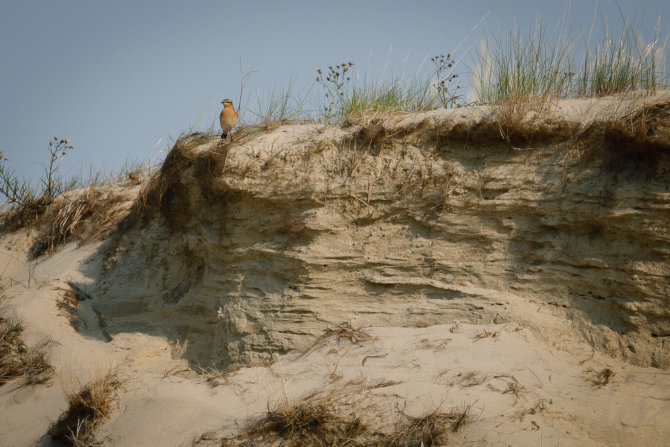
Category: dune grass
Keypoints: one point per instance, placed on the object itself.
(87, 408)
(328, 418)
(535, 68)
(17, 361)
(522, 69)
(347, 95)
(391, 95)
(622, 63)
(282, 105)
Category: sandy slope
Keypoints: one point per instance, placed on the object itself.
(478, 274)
(522, 389)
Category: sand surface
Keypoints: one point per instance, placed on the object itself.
(496, 346)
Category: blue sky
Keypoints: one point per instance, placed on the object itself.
(122, 79)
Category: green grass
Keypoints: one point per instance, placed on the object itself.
(623, 63)
(523, 68)
(535, 68)
(391, 95)
(282, 105)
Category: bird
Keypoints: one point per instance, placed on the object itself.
(227, 118)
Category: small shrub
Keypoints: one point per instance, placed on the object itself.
(17, 191)
(335, 85)
(52, 183)
(28, 204)
(443, 79)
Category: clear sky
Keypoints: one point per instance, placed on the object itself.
(122, 79)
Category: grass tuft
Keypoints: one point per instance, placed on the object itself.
(16, 360)
(622, 63)
(87, 408)
(282, 106)
(523, 70)
(528, 71)
(313, 421)
(603, 377)
(431, 429)
(345, 330)
(81, 215)
(318, 421)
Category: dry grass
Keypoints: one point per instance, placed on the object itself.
(165, 194)
(18, 361)
(87, 408)
(640, 139)
(23, 216)
(82, 216)
(343, 330)
(347, 331)
(313, 421)
(323, 420)
(506, 125)
(603, 377)
(470, 379)
(431, 429)
(68, 301)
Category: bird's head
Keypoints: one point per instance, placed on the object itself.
(227, 103)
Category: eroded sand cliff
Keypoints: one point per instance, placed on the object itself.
(402, 221)
(507, 275)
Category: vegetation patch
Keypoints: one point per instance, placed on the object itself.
(80, 216)
(18, 361)
(68, 302)
(165, 194)
(347, 331)
(320, 421)
(603, 377)
(87, 408)
(640, 139)
(311, 422)
(27, 204)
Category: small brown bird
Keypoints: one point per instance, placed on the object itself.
(227, 118)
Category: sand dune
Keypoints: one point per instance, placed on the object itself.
(508, 279)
